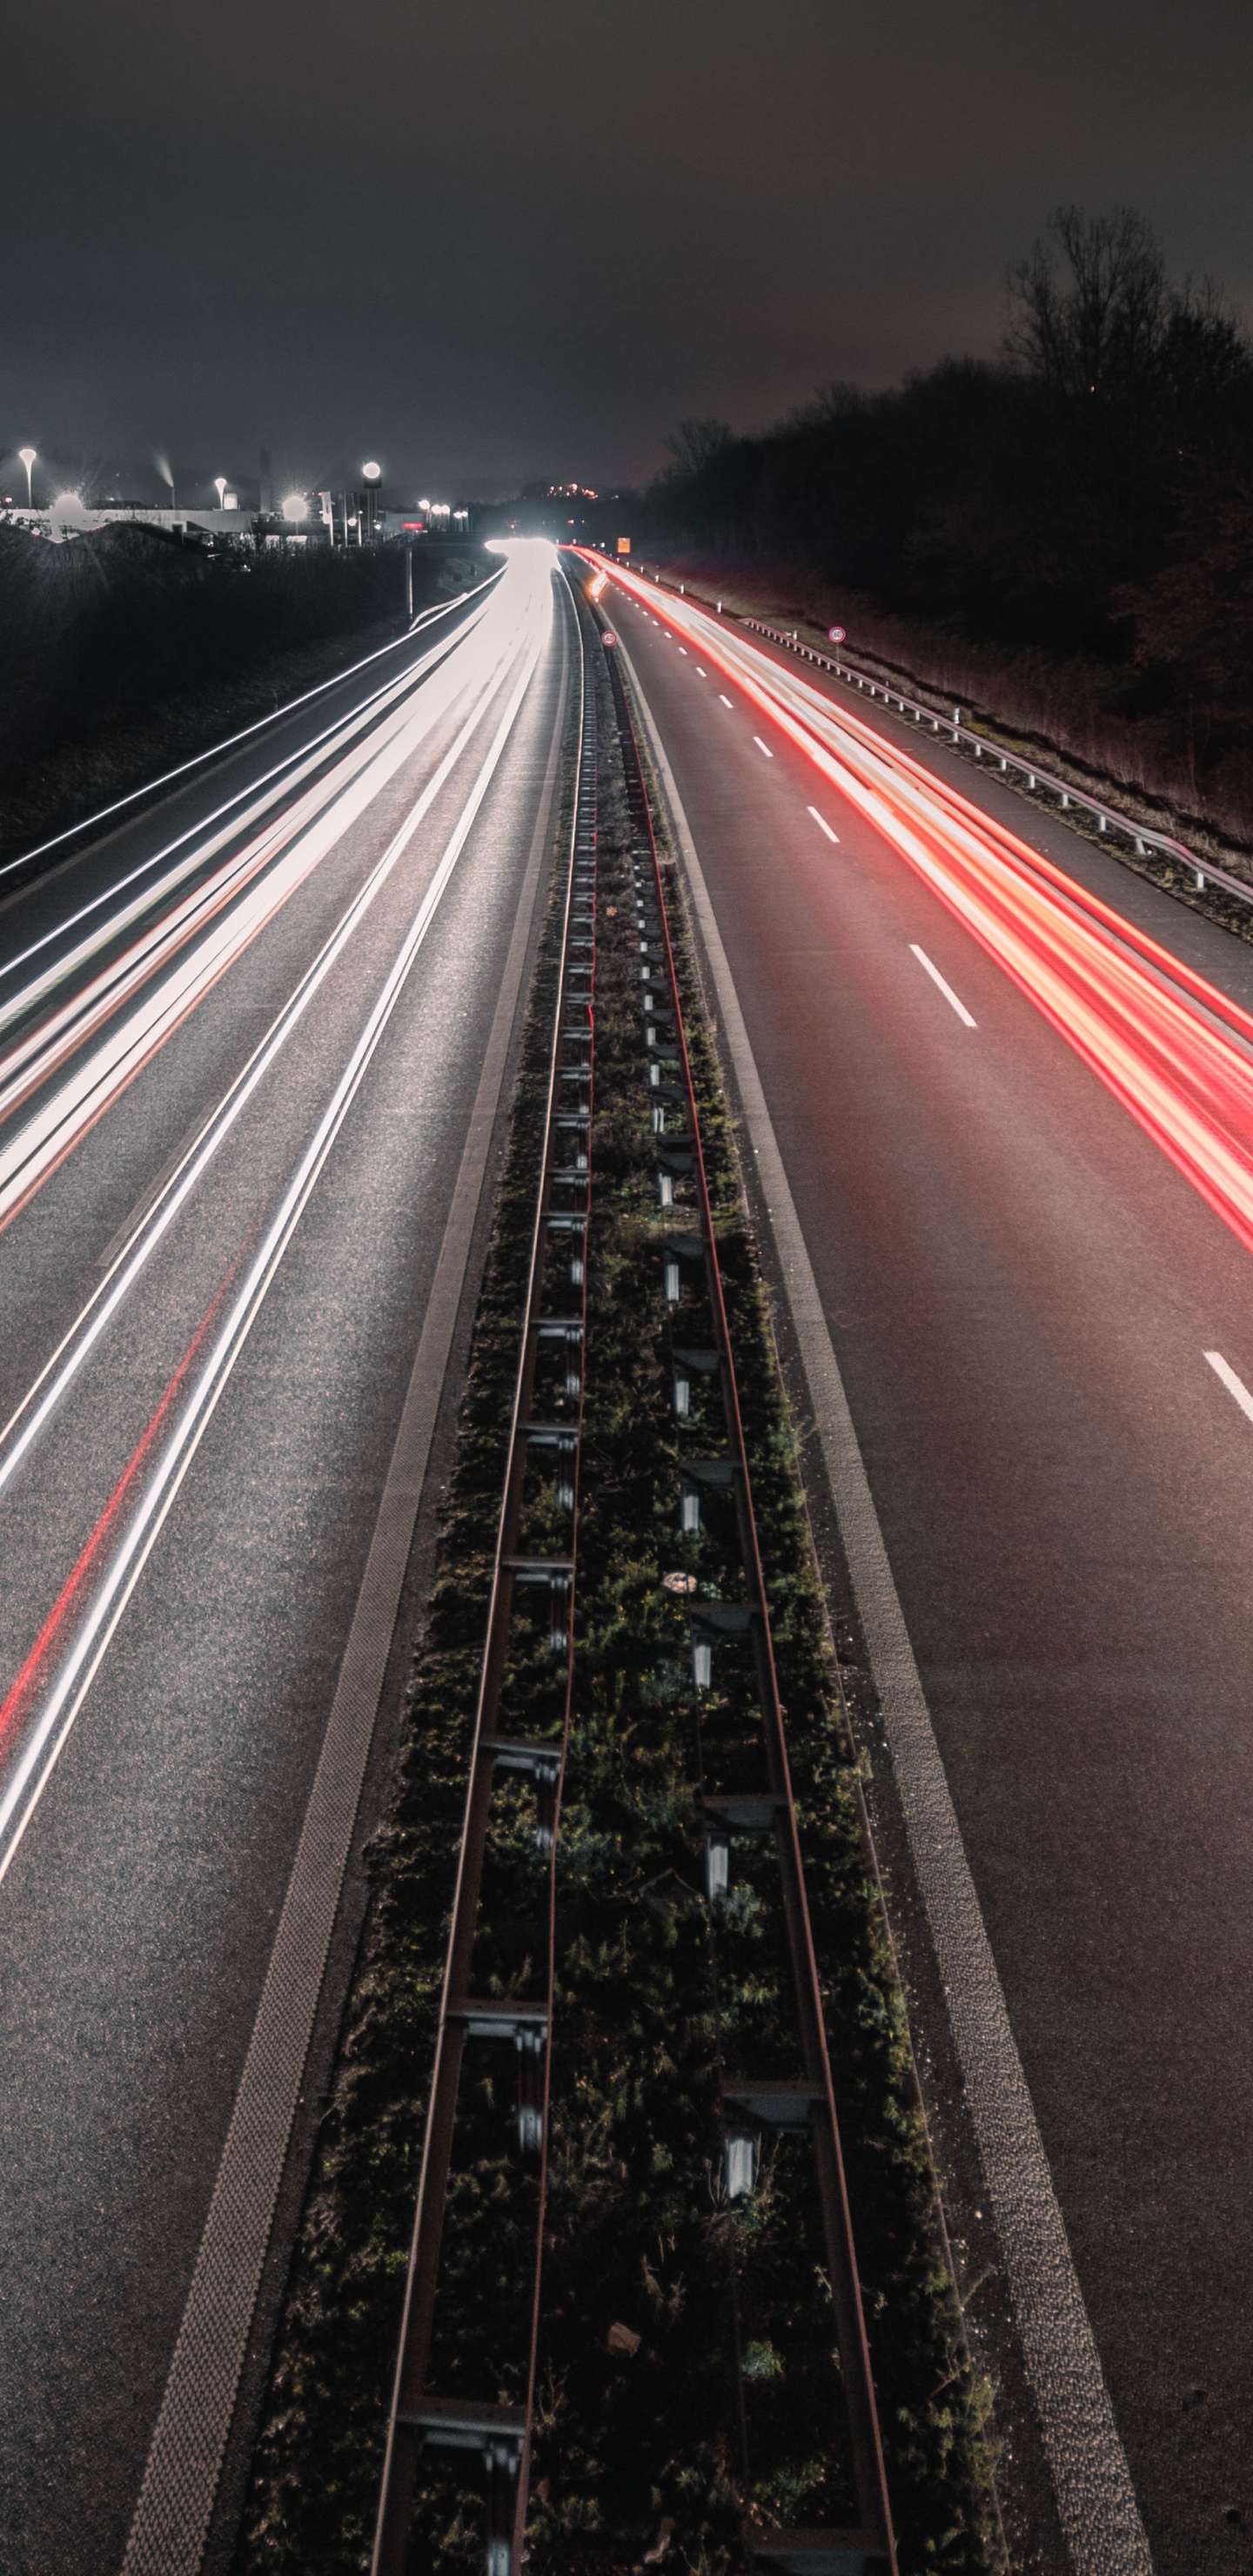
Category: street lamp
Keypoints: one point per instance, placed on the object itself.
(372, 476)
(219, 486)
(28, 455)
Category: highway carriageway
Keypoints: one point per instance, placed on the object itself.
(997, 1096)
(253, 1045)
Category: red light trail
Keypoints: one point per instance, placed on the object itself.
(1100, 982)
(22, 1689)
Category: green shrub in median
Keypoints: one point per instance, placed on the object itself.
(650, 2274)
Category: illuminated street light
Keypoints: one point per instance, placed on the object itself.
(28, 455)
(295, 506)
(219, 486)
(373, 473)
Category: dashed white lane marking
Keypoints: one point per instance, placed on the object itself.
(947, 990)
(763, 746)
(683, 651)
(1096, 2500)
(823, 825)
(726, 701)
(1234, 1385)
(701, 675)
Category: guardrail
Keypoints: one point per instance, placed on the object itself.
(1108, 818)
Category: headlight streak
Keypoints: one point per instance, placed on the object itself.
(152, 786)
(77, 1343)
(240, 864)
(289, 772)
(1172, 1049)
(64, 1116)
(64, 1700)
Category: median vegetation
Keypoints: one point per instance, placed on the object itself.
(644, 2452)
(123, 652)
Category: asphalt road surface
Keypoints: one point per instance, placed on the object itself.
(1021, 1287)
(239, 1044)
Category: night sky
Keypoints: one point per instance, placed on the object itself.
(494, 240)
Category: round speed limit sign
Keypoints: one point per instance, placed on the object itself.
(835, 634)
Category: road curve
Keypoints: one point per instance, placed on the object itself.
(240, 1042)
(1040, 1299)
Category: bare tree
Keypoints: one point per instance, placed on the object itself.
(1091, 304)
(696, 442)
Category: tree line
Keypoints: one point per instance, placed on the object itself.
(1088, 493)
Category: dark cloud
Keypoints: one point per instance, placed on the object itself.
(493, 239)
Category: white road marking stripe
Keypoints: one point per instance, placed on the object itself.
(763, 746)
(683, 651)
(823, 825)
(1234, 1385)
(701, 675)
(946, 989)
(1096, 2500)
(726, 701)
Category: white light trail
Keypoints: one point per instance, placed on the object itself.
(314, 824)
(42, 1397)
(69, 1691)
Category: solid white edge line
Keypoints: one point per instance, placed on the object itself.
(966, 1018)
(763, 746)
(1095, 2497)
(175, 2504)
(823, 825)
(1235, 1385)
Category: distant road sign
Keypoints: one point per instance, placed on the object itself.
(608, 636)
(835, 634)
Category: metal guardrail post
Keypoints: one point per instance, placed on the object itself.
(1107, 817)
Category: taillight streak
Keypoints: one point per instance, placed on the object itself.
(1095, 977)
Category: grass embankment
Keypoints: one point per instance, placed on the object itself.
(1064, 710)
(642, 2429)
(122, 654)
